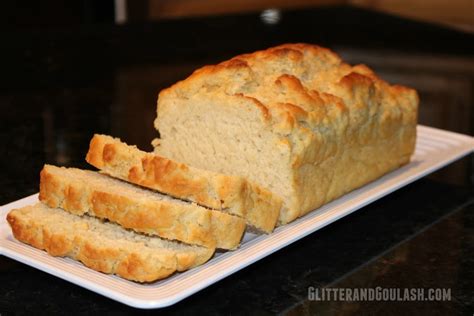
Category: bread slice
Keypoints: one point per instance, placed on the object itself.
(294, 119)
(232, 194)
(87, 192)
(104, 247)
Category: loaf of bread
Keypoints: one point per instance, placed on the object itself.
(86, 192)
(104, 247)
(294, 119)
(265, 137)
(232, 194)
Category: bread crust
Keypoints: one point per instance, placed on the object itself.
(231, 194)
(132, 261)
(188, 223)
(341, 125)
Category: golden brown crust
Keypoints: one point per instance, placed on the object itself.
(293, 55)
(172, 220)
(169, 177)
(222, 192)
(95, 156)
(131, 261)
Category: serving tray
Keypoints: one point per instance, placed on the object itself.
(434, 149)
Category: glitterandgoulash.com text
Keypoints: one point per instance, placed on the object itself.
(379, 294)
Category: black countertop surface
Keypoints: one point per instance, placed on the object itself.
(58, 87)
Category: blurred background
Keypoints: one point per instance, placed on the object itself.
(456, 13)
(74, 68)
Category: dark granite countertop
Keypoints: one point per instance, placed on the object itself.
(58, 87)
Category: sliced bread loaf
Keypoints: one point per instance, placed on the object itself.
(104, 247)
(87, 192)
(294, 118)
(232, 194)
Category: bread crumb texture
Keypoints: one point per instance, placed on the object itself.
(103, 246)
(87, 192)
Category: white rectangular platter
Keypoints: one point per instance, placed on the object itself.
(434, 149)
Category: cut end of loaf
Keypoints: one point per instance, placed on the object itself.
(223, 192)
